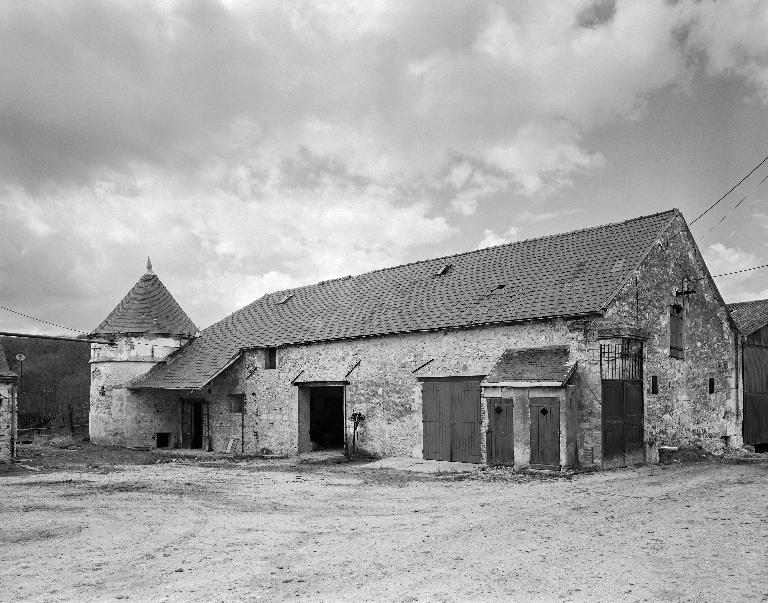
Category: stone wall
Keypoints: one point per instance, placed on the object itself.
(384, 386)
(683, 412)
(117, 417)
(7, 416)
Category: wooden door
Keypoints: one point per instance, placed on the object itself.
(633, 421)
(755, 394)
(451, 420)
(465, 422)
(501, 450)
(613, 422)
(545, 432)
(623, 417)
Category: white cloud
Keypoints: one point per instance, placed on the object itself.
(722, 259)
(247, 146)
(491, 238)
(464, 204)
(732, 36)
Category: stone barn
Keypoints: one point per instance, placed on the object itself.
(585, 348)
(751, 319)
(8, 381)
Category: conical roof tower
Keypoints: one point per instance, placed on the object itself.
(147, 309)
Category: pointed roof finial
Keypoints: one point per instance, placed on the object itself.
(149, 266)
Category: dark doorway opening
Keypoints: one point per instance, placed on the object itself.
(163, 440)
(326, 416)
(192, 424)
(197, 425)
(321, 417)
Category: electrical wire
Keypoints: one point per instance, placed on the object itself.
(53, 324)
(706, 211)
(742, 270)
(744, 198)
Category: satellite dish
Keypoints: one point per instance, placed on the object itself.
(21, 357)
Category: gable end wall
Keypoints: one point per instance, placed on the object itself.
(683, 413)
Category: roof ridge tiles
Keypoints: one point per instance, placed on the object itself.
(546, 283)
(469, 252)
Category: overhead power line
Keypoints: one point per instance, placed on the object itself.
(742, 270)
(53, 324)
(734, 208)
(706, 211)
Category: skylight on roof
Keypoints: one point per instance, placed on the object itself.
(444, 269)
(285, 299)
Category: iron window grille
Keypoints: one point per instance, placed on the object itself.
(620, 362)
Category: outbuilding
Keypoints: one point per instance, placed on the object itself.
(751, 318)
(588, 348)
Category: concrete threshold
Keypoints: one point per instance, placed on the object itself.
(406, 463)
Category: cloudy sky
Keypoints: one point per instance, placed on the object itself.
(249, 147)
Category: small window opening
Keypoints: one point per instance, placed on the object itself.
(236, 403)
(163, 440)
(654, 384)
(443, 270)
(286, 298)
(270, 358)
(676, 332)
(711, 385)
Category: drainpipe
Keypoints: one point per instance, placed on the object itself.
(242, 426)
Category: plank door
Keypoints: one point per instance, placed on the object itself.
(633, 421)
(545, 432)
(451, 420)
(755, 394)
(436, 444)
(502, 444)
(465, 421)
(613, 422)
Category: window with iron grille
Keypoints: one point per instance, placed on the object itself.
(676, 334)
(621, 362)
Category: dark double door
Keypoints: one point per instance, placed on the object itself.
(755, 393)
(192, 423)
(451, 419)
(623, 416)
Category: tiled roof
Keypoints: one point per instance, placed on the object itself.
(149, 308)
(569, 274)
(5, 370)
(532, 364)
(749, 316)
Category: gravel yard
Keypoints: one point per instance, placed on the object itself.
(108, 524)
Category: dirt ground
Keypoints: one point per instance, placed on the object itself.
(106, 524)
